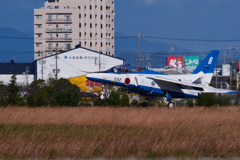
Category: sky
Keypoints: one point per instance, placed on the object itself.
(184, 19)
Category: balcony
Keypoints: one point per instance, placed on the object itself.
(59, 20)
(59, 49)
(58, 30)
(59, 39)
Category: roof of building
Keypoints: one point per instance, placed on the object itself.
(77, 47)
(16, 68)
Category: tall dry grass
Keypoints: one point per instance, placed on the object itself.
(88, 132)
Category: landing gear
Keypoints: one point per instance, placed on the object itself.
(106, 90)
(149, 99)
(170, 104)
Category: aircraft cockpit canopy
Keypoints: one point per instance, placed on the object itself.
(125, 69)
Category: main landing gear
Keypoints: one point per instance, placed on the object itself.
(170, 103)
(106, 90)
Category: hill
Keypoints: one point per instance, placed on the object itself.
(11, 47)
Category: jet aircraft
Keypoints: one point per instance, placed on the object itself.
(150, 83)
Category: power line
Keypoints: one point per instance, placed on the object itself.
(148, 37)
(185, 39)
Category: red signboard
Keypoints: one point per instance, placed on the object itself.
(175, 62)
(93, 84)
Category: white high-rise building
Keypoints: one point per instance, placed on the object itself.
(62, 24)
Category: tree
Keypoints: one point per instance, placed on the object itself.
(4, 93)
(14, 96)
(54, 93)
(64, 92)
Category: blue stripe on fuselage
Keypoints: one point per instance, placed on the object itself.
(145, 90)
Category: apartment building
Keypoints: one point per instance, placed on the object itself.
(62, 24)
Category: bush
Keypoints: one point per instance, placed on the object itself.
(214, 99)
(56, 93)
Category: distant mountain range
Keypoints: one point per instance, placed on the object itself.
(13, 48)
(22, 50)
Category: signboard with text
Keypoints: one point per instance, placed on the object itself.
(175, 62)
(192, 61)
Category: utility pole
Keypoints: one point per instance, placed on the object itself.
(42, 66)
(99, 61)
(139, 47)
(216, 75)
(27, 71)
(148, 59)
(56, 69)
(230, 67)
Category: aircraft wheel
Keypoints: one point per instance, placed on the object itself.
(144, 104)
(102, 96)
(170, 104)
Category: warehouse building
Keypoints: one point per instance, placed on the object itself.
(23, 71)
(73, 63)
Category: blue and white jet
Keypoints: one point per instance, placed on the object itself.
(150, 83)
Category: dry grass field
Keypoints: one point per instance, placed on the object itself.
(88, 132)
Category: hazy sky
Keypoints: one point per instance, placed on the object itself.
(187, 19)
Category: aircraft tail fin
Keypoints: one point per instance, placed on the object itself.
(207, 68)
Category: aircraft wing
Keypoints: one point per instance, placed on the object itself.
(160, 79)
(216, 90)
(203, 88)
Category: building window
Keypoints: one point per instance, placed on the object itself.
(56, 7)
(49, 7)
(50, 27)
(67, 46)
(67, 18)
(38, 44)
(38, 16)
(91, 35)
(38, 35)
(54, 70)
(90, 25)
(67, 36)
(50, 46)
(38, 26)
(49, 18)
(67, 28)
(50, 37)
